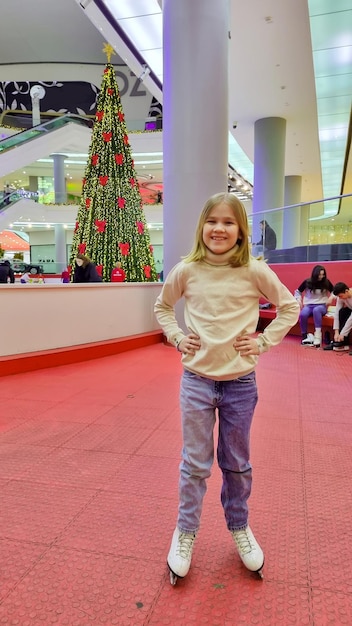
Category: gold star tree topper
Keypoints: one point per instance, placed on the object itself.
(109, 51)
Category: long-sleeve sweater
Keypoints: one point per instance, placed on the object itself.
(348, 325)
(222, 303)
(310, 296)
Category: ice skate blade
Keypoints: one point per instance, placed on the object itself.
(173, 577)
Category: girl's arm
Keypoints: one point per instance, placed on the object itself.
(164, 307)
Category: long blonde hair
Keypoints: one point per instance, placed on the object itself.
(241, 254)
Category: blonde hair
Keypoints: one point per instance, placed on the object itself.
(241, 254)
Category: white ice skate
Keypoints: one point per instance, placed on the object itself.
(308, 341)
(249, 550)
(180, 555)
(317, 338)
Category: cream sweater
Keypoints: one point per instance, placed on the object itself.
(221, 303)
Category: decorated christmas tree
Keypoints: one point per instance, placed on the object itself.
(110, 224)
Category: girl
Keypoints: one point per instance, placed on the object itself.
(221, 285)
(85, 270)
(313, 297)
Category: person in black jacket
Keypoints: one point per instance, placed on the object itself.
(268, 238)
(85, 270)
(6, 272)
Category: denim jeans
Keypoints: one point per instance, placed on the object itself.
(317, 311)
(235, 401)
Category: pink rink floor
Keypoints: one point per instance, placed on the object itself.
(89, 457)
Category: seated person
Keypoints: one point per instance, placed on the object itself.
(342, 318)
(65, 276)
(25, 277)
(313, 296)
(118, 275)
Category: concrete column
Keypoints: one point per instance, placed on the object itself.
(60, 247)
(292, 217)
(195, 116)
(269, 174)
(59, 178)
(304, 225)
(33, 183)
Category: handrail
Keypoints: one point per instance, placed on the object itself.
(33, 133)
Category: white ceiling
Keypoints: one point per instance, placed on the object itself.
(271, 66)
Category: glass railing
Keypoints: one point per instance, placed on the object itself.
(304, 232)
(33, 133)
(7, 200)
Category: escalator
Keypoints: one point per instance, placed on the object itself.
(69, 133)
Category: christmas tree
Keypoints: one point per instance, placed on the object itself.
(110, 224)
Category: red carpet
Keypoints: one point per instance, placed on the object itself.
(89, 457)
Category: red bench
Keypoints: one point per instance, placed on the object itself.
(293, 274)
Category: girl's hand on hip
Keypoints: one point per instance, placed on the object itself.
(189, 344)
(246, 345)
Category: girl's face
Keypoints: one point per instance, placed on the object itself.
(220, 230)
(79, 262)
(321, 275)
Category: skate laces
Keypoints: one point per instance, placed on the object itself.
(185, 545)
(243, 541)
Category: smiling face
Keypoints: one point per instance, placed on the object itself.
(221, 230)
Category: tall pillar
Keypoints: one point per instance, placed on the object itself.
(60, 247)
(195, 116)
(33, 183)
(269, 173)
(292, 217)
(59, 178)
(304, 225)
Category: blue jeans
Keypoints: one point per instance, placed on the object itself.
(235, 401)
(317, 311)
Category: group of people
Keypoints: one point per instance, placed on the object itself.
(85, 271)
(222, 283)
(314, 295)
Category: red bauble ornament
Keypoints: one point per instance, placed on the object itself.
(133, 182)
(151, 249)
(110, 91)
(125, 139)
(76, 227)
(121, 202)
(99, 115)
(103, 180)
(107, 136)
(120, 116)
(82, 248)
(99, 269)
(95, 159)
(88, 201)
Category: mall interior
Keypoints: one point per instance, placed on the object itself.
(250, 98)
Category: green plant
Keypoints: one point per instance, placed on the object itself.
(2, 252)
(18, 255)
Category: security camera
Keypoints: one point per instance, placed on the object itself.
(234, 124)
